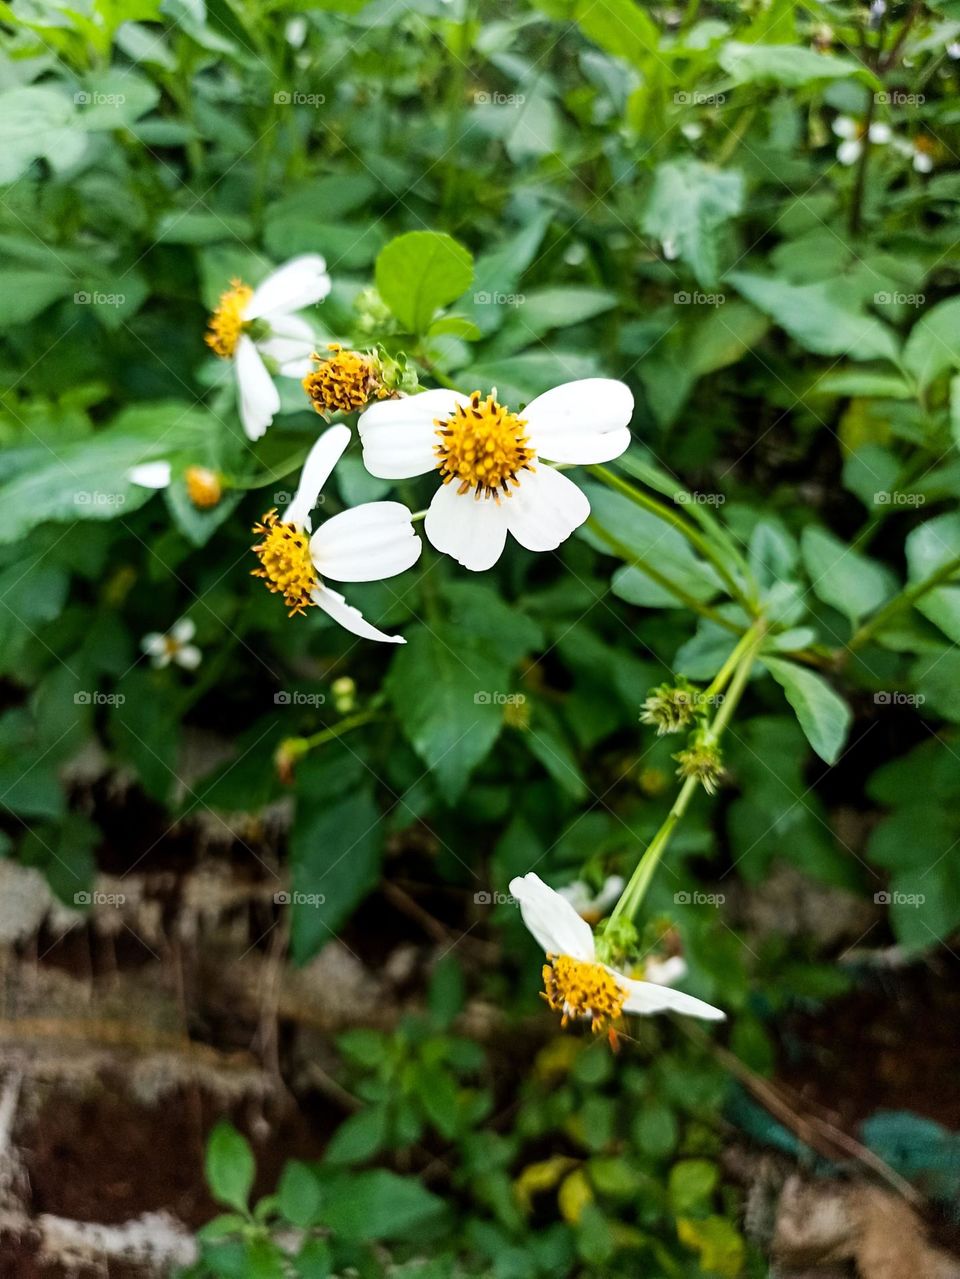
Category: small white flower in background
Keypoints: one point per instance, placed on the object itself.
(174, 646)
(204, 486)
(252, 324)
(366, 544)
(589, 905)
(489, 460)
(670, 250)
(576, 983)
(919, 150)
(852, 132)
(953, 50)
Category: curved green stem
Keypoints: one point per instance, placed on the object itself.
(904, 600)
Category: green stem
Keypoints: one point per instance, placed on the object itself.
(904, 600)
(740, 663)
(675, 520)
(338, 730)
(279, 472)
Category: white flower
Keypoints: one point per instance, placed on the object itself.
(577, 984)
(589, 905)
(919, 151)
(250, 324)
(489, 460)
(174, 646)
(852, 132)
(365, 544)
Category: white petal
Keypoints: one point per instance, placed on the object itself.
(259, 398)
(471, 529)
(880, 133)
(322, 458)
(849, 152)
(545, 509)
(182, 632)
(665, 972)
(301, 282)
(154, 644)
(609, 894)
(150, 475)
(370, 542)
(350, 618)
(922, 162)
(551, 919)
(846, 127)
(291, 343)
(189, 657)
(646, 997)
(399, 436)
(581, 422)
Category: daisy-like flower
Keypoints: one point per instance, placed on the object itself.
(489, 461)
(589, 905)
(366, 544)
(204, 486)
(250, 326)
(852, 132)
(920, 150)
(576, 983)
(344, 381)
(174, 646)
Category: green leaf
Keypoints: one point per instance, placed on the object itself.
(444, 686)
(229, 1167)
(931, 547)
(359, 1137)
(934, 342)
(378, 1205)
(37, 123)
(819, 316)
(419, 272)
(298, 1194)
(335, 851)
(824, 717)
(842, 577)
(690, 1185)
(792, 65)
(688, 205)
(621, 27)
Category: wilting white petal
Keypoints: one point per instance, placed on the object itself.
(189, 657)
(150, 475)
(545, 509)
(291, 343)
(646, 997)
(321, 460)
(301, 282)
(366, 544)
(399, 436)
(182, 632)
(350, 618)
(849, 152)
(259, 398)
(581, 422)
(471, 529)
(551, 919)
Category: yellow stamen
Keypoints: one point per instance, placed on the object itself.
(483, 447)
(343, 381)
(203, 486)
(227, 323)
(579, 988)
(285, 563)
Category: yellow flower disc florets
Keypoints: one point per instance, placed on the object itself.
(227, 323)
(285, 563)
(483, 447)
(343, 381)
(579, 988)
(203, 486)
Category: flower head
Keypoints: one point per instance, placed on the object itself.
(493, 480)
(344, 381)
(249, 326)
(576, 983)
(370, 542)
(204, 486)
(173, 646)
(853, 133)
(702, 760)
(590, 905)
(672, 707)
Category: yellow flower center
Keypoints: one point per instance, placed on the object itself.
(227, 323)
(285, 563)
(579, 988)
(483, 447)
(342, 382)
(203, 486)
